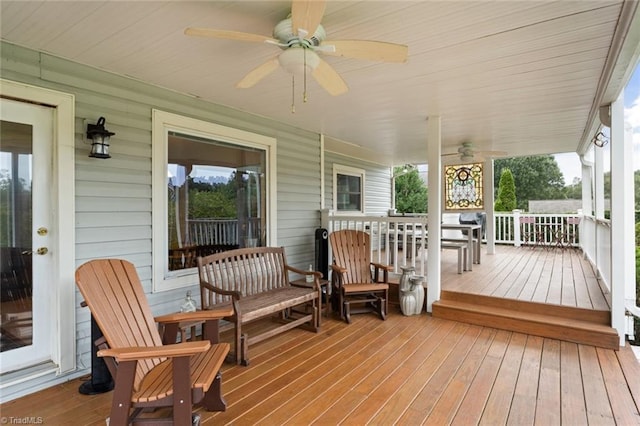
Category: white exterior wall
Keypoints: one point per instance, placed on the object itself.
(113, 197)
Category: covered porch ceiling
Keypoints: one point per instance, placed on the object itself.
(521, 77)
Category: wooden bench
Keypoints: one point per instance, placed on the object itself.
(256, 282)
(462, 252)
(477, 247)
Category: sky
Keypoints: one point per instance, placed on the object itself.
(569, 163)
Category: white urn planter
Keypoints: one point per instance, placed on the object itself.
(411, 291)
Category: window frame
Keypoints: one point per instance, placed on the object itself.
(164, 122)
(339, 169)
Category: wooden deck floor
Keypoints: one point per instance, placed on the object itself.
(419, 369)
(555, 276)
(405, 370)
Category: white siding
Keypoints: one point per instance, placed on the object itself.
(113, 197)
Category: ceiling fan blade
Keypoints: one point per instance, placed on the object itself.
(329, 79)
(492, 153)
(258, 73)
(230, 35)
(367, 49)
(306, 15)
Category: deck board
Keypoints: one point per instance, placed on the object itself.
(425, 400)
(448, 403)
(598, 409)
(497, 409)
(522, 411)
(573, 410)
(548, 403)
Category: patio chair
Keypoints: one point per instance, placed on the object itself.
(528, 233)
(147, 373)
(355, 279)
(570, 236)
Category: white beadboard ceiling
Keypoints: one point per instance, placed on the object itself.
(525, 77)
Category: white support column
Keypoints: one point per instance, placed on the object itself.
(434, 217)
(488, 206)
(586, 231)
(322, 177)
(587, 185)
(598, 184)
(517, 237)
(622, 217)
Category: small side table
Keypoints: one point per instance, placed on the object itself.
(325, 289)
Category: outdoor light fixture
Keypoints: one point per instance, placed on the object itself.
(600, 140)
(99, 137)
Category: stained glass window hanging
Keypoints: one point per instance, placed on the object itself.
(463, 187)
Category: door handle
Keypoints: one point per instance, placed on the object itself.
(41, 251)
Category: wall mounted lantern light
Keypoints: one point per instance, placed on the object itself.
(600, 139)
(99, 137)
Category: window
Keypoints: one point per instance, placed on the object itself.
(213, 191)
(348, 189)
(463, 187)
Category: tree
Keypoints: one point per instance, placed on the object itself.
(506, 200)
(536, 178)
(411, 191)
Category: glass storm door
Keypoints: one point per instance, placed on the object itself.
(26, 314)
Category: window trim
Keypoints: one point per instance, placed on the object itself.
(349, 171)
(162, 123)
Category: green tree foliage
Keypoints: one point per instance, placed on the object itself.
(217, 200)
(536, 178)
(411, 191)
(506, 200)
(637, 320)
(15, 212)
(574, 191)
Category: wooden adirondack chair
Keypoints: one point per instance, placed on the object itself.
(147, 373)
(355, 279)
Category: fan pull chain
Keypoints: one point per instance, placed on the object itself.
(304, 91)
(293, 94)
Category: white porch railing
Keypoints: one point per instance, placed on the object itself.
(391, 235)
(541, 229)
(596, 245)
(223, 231)
(392, 238)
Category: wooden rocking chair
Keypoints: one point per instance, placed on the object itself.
(147, 373)
(355, 279)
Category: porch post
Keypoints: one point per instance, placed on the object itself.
(488, 206)
(598, 209)
(517, 238)
(622, 217)
(587, 231)
(598, 183)
(434, 217)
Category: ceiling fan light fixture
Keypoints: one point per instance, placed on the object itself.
(293, 60)
(466, 157)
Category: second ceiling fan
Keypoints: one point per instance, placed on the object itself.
(302, 39)
(467, 154)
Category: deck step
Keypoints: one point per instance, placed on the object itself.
(553, 321)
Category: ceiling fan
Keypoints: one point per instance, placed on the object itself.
(301, 36)
(467, 153)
